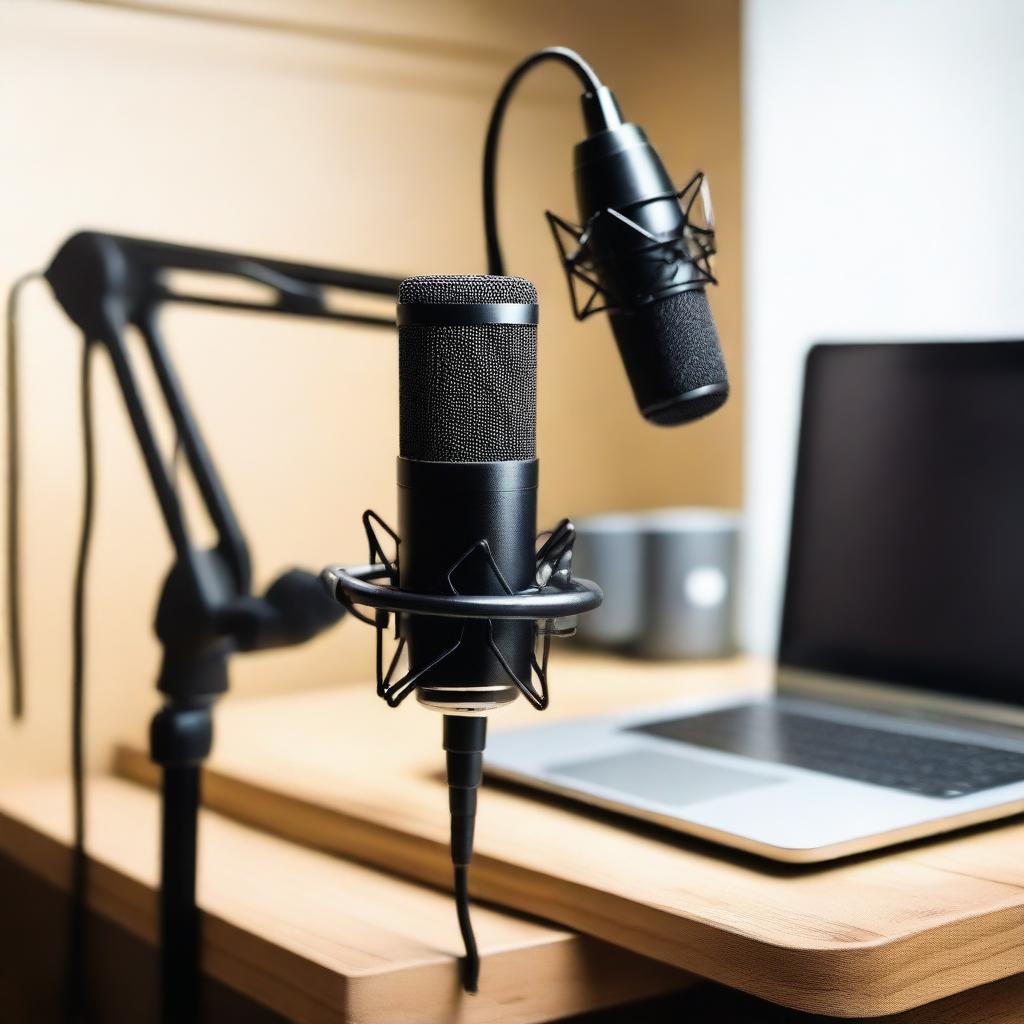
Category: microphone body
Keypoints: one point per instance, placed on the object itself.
(467, 479)
(645, 250)
(445, 511)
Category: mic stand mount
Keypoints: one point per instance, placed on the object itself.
(552, 603)
(108, 284)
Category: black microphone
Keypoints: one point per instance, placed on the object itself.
(641, 251)
(477, 603)
(646, 249)
(467, 475)
(467, 511)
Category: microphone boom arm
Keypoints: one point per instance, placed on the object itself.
(106, 284)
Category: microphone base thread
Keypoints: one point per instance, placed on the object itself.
(464, 740)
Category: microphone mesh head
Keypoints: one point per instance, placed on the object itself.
(467, 393)
(672, 356)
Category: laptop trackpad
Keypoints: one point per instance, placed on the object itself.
(663, 778)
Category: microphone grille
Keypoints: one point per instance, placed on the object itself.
(673, 358)
(467, 392)
(460, 289)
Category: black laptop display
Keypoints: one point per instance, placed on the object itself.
(908, 567)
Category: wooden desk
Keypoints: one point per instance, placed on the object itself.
(869, 936)
(1001, 1002)
(318, 939)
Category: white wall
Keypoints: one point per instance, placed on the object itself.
(884, 198)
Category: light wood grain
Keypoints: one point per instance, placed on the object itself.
(314, 937)
(868, 936)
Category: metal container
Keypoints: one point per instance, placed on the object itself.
(690, 559)
(609, 551)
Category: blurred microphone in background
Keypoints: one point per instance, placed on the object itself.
(641, 251)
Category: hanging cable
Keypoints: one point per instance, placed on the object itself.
(14, 644)
(75, 988)
(469, 967)
(591, 84)
(79, 865)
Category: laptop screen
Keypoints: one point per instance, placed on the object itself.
(907, 548)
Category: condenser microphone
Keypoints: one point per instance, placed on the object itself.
(467, 515)
(467, 478)
(641, 250)
(646, 248)
(476, 600)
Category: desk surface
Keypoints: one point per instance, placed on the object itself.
(868, 936)
(316, 938)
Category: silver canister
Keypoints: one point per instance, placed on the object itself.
(609, 550)
(690, 563)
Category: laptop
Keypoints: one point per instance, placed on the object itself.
(899, 706)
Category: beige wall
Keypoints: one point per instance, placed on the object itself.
(344, 133)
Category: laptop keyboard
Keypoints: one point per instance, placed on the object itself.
(915, 764)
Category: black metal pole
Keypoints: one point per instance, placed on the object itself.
(179, 915)
(181, 737)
